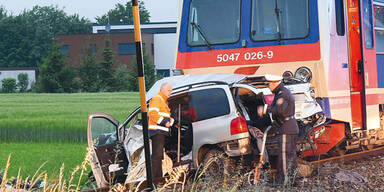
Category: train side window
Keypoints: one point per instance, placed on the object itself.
(368, 24)
(339, 9)
(379, 27)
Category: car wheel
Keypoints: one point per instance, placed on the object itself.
(217, 164)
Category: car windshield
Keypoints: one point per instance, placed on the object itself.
(210, 22)
(279, 19)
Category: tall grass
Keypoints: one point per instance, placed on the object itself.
(57, 117)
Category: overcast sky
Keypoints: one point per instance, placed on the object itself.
(160, 10)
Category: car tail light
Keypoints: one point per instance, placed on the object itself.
(239, 125)
(269, 99)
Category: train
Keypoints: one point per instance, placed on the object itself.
(336, 45)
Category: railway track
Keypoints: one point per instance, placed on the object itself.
(306, 167)
(351, 156)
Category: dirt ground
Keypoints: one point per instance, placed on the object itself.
(355, 175)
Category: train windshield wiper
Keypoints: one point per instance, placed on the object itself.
(277, 13)
(202, 34)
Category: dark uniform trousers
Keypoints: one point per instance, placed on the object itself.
(287, 163)
(158, 142)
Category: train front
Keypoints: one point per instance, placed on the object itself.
(249, 37)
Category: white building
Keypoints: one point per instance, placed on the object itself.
(164, 42)
(14, 72)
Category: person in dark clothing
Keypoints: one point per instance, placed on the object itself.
(283, 111)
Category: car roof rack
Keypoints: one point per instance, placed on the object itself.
(200, 84)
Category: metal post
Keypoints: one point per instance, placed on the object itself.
(178, 136)
(140, 71)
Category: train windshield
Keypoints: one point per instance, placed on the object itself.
(213, 22)
(279, 19)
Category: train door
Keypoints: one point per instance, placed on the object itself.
(362, 62)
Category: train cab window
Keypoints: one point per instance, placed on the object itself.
(210, 22)
(279, 19)
(339, 9)
(379, 27)
(368, 24)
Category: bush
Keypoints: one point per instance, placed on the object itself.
(23, 82)
(9, 85)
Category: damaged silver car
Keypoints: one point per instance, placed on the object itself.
(212, 111)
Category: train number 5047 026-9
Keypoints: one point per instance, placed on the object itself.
(247, 56)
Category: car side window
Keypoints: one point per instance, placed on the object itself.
(103, 131)
(208, 103)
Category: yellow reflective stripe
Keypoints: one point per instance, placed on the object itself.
(154, 109)
(164, 114)
(156, 127)
(160, 120)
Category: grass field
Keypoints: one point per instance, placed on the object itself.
(30, 156)
(57, 117)
(51, 128)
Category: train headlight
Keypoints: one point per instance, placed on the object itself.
(287, 74)
(304, 74)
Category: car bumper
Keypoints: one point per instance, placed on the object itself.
(237, 147)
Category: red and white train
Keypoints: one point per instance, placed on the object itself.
(336, 45)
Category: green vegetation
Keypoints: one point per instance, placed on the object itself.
(9, 85)
(26, 38)
(107, 69)
(122, 14)
(22, 82)
(58, 117)
(30, 156)
(54, 76)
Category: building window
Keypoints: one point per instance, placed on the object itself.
(163, 72)
(379, 27)
(65, 50)
(93, 49)
(127, 49)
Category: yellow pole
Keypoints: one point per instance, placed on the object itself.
(143, 102)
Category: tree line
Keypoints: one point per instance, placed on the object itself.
(28, 40)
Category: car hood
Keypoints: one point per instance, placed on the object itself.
(183, 80)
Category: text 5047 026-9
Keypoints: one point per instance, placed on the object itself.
(246, 56)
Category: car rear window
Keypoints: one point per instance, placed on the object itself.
(208, 103)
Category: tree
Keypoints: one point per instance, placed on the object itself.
(107, 69)
(3, 12)
(8, 85)
(122, 78)
(54, 77)
(150, 76)
(123, 14)
(25, 39)
(22, 82)
(89, 74)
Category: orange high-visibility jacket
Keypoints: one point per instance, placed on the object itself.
(159, 113)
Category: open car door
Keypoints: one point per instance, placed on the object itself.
(108, 161)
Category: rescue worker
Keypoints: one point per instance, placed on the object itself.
(283, 111)
(160, 121)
